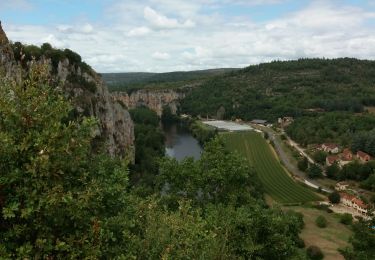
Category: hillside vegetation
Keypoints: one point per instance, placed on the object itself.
(136, 80)
(289, 88)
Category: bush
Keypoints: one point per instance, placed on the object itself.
(334, 197)
(314, 252)
(346, 219)
(321, 222)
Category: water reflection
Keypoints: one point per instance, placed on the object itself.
(179, 143)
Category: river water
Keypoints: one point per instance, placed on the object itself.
(179, 143)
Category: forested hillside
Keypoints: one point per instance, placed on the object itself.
(289, 88)
(135, 80)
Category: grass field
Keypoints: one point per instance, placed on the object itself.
(329, 239)
(273, 176)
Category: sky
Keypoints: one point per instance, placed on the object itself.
(176, 35)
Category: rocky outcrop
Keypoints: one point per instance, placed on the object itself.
(89, 96)
(153, 99)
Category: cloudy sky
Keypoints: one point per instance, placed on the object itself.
(170, 35)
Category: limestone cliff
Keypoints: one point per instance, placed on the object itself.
(154, 99)
(89, 95)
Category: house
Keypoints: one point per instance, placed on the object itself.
(340, 186)
(331, 159)
(285, 121)
(347, 199)
(259, 122)
(346, 157)
(330, 148)
(354, 202)
(360, 206)
(363, 157)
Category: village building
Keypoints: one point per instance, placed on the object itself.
(346, 157)
(353, 202)
(285, 121)
(331, 159)
(363, 157)
(330, 148)
(340, 186)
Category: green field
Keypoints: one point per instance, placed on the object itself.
(274, 178)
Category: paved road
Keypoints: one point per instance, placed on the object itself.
(289, 165)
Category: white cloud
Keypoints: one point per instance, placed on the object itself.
(135, 37)
(139, 31)
(160, 56)
(160, 21)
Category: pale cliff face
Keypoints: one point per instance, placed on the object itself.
(153, 99)
(115, 128)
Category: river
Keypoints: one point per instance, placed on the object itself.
(179, 143)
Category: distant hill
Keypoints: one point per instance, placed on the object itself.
(288, 88)
(130, 80)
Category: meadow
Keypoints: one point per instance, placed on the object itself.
(275, 179)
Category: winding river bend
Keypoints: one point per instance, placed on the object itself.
(179, 142)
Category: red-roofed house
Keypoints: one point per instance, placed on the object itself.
(363, 157)
(346, 157)
(353, 202)
(330, 148)
(331, 159)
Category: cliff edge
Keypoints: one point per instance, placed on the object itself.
(87, 92)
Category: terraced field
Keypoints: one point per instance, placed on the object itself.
(274, 178)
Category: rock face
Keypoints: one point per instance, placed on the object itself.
(89, 96)
(153, 99)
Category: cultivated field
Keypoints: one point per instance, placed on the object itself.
(276, 181)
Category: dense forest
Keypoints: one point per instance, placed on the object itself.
(288, 88)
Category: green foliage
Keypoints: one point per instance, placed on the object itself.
(321, 221)
(287, 88)
(320, 157)
(338, 127)
(303, 164)
(346, 219)
(149, 146)
(334, 197)
(364, 141)
(25, 53)
(333, 170)
(167, 116)
(201, 132)
(314, 253)
(56, 198)
(314, 171)
(363, 241)
(218, 177)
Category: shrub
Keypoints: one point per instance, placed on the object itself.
(314, 252)
(346, 219)
(334, 197)
(321, 221)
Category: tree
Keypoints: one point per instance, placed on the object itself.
(334, 197)
(314, 171)
(346, 219)
(321, 221)
(332, 171)
(57, 199)
(314, 253)
(303, 164)
(363, 241)
(320, 157)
